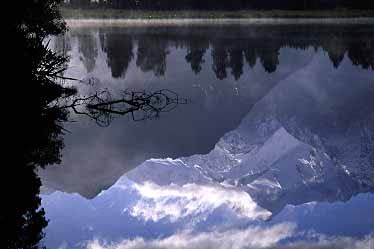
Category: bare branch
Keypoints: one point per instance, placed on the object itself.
(103, 108)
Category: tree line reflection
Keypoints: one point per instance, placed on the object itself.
(230, 51)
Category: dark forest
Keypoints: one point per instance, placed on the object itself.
(221, 4)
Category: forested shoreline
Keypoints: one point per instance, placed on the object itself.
(109, 13)
(221, 4)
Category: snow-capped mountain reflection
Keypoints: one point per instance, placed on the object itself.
(131, 215)
(295, 146)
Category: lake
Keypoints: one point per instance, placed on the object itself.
(266, 138)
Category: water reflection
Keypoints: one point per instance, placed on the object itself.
(229, 47)
(119, 49)
(102, 108)
(151, 55)
(119, 217)
(88, 48)
(281, 121)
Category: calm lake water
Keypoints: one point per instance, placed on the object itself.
(274, 147)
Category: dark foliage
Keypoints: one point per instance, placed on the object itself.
(34, 130)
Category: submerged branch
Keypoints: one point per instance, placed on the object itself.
(103, 108)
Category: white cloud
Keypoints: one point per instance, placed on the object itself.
(251, 238)
(175, 202)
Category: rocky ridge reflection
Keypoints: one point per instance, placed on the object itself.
(305, 141)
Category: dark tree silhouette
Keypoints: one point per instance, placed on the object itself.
(151, 56)
(195, 53)
(250, 55)
(236, 61)
(88, 49)
(231, 50)
(220, 61)
(33, 72)
(359, 55)
(119, 49)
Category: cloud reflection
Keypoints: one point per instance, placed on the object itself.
(175, 202)
(254, 237)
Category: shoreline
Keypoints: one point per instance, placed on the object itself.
(70, 13)
(76, 22)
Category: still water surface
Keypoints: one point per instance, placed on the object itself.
(274, 149)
